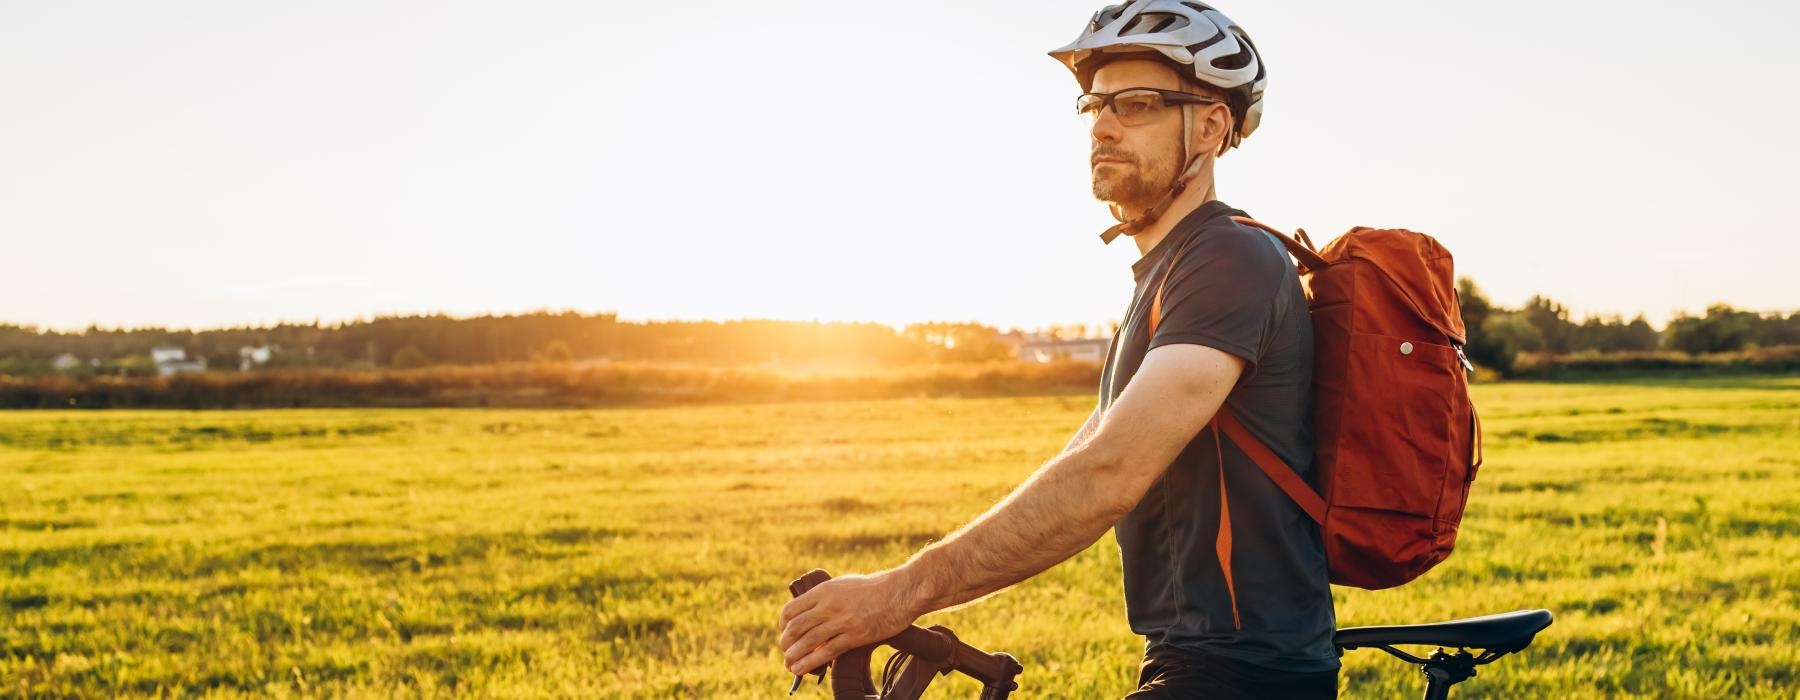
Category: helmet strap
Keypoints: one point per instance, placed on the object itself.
(1190, 167)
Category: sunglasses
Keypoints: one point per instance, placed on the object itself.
(1135, 106)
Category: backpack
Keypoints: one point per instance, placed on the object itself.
(1398, 439)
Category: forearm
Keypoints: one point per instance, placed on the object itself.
(1070, 501)
(1064, 507)
(1086, 431)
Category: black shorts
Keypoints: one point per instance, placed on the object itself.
(1168, 672)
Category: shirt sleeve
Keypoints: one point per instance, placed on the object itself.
(1222, 294)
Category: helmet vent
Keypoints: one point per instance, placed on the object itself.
(1201, 46)
(1158, 23)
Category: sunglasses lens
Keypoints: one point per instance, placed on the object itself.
(1089, 106)
(1133, 107)
(1136, 107)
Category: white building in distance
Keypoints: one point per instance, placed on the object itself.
(171, 360)
(1043, 348)
(253, 356)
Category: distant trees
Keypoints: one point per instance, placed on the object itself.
(1725, 329)
(1483, 347)
(558, 353)
(417, 341)
(411, 357)
(1497, 336)
(1612, 334)
(1511, 335)
(959, 342)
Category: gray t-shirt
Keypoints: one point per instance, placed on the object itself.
(1234, 289)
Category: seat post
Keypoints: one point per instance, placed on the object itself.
(1444, 670)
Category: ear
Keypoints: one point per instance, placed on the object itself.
(1215, 129)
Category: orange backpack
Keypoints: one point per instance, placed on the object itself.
(1398, 439)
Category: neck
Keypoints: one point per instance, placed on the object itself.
(1199, 191)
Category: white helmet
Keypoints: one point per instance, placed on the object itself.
(1196, 38)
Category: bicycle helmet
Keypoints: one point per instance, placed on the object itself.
(1194, 39)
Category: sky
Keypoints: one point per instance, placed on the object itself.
(208, 164)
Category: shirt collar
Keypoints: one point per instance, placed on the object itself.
(1179, 234)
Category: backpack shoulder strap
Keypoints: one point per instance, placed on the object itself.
(1310, 261)
(1265, 458)
(1271, 464)
(1309, 258)
(1225, 423)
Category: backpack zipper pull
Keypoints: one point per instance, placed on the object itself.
(1467, 365)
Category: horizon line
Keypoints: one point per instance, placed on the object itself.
(343, 321)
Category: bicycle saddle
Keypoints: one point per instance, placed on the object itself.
(1505, 632)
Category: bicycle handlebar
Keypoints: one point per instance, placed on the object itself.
(934, 651)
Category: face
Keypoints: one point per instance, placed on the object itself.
(1135, 165)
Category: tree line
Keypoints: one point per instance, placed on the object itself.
(1498, 338)
(408, 342)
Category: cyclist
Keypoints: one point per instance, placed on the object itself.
(1231, 596)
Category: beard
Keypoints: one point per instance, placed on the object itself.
(1135, 183)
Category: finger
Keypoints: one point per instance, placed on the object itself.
(821, 655)
(824, 631)
(798, 627)
(805, 602)
(814, 637)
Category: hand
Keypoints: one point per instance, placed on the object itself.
(842, 614)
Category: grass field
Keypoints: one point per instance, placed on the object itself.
(530, 553)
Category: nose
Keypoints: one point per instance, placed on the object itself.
(1107, 127)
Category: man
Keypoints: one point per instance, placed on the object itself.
(1229, 607)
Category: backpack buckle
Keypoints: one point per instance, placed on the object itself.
(1467, 365)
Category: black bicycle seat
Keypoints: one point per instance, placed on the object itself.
(1505, 632)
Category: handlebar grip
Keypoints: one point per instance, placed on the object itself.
(805, 583)
(940, 646)
(988, 668)
(929, 644)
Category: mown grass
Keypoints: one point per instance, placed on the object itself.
(645, 552)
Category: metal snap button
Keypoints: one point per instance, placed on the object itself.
(1405, 348)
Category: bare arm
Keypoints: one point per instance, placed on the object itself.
(1073, 499)
(1084, 432)
(1064, 506)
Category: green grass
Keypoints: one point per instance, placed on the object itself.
(529, 553)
